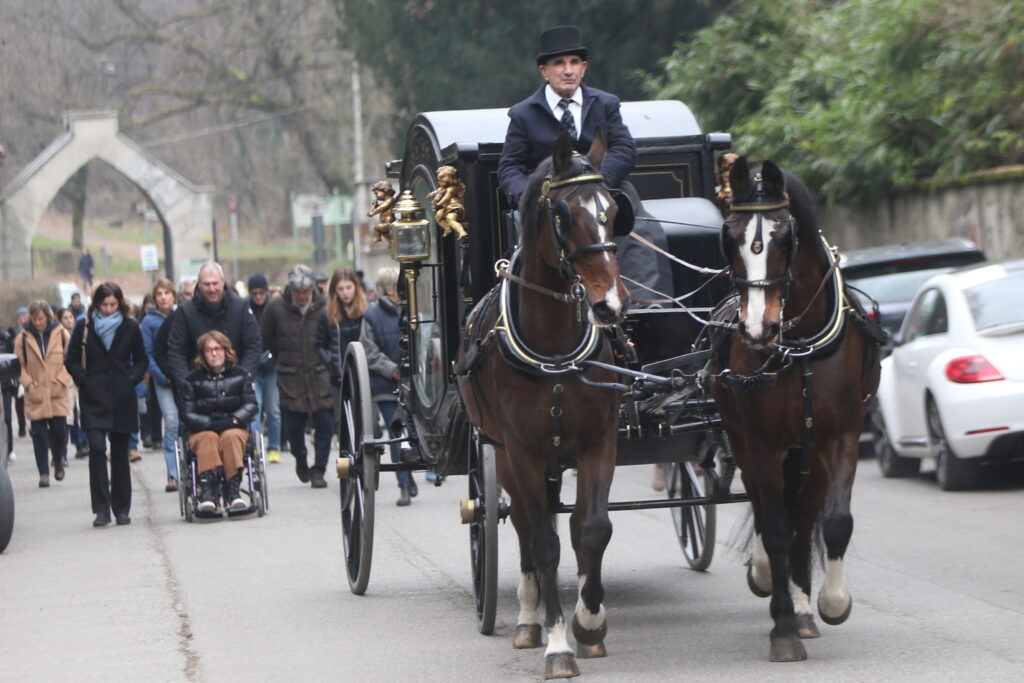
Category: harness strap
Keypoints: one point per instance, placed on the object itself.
(808, 420)
(554, 473)
(558, 296)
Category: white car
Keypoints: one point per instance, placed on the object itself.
(953, 388)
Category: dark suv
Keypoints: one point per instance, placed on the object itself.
(891, 275)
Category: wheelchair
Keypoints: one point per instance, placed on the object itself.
(254, 480)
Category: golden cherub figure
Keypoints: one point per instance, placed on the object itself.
(445, 200)
(382, 207)
(723, 199)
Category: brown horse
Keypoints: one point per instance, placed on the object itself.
(522, 389)
(791, 388)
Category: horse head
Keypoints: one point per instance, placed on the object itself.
(759, 240)
(577, 218)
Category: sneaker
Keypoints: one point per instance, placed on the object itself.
(430, 476)
(11, 457)
(207, 495)
(172, 485)
(274, 456)
(658, 482)
(134, 455)
(317, 480)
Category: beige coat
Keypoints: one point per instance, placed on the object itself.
(45, 379)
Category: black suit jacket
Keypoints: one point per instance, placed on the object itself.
(533, 129)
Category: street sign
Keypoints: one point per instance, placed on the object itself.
(150, 258)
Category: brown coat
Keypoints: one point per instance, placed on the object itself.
(303, 379)
(45, 379)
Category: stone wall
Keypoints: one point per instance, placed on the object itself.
(989, 211)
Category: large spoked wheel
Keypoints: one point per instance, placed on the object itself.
(483, 532)
(696, 524)
(359, 487)
(6, 506)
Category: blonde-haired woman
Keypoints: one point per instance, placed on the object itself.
(40, 346)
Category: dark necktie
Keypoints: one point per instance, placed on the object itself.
(568, 123)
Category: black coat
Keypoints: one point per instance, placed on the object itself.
(106, 382)
(533, 129)
(194, 318)
(207, 396)
(333, 338)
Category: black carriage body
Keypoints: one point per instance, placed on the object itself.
(674, 176)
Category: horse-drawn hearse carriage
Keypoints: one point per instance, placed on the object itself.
(484, 380)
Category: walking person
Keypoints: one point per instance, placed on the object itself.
(86, 266)
(40, 346)
(76, 436)
(164, 299)
(339, 325)
(107, 358)
(218, 403)
(268, 396)
(379, 336)
(9, 390)
(289, 328)
(19, 399)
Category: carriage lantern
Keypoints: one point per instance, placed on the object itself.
(410, 233)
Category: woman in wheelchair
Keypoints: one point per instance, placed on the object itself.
(219, 402)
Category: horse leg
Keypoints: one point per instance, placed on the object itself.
(777, 529)
(528, 634)
(591, 532)
(759, 574)
(834, 600)
(808, 490)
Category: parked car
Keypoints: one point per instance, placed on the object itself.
(892, 274)
(953, 387)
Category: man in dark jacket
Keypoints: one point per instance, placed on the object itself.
(212, 308)
(289, 326)
(564, 103)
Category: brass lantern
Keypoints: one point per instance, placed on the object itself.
(410, 233)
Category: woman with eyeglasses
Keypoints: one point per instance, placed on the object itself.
(218, 403)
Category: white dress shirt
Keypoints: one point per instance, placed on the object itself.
(576, 108)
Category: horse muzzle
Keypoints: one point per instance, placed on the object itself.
(760, 337)
(606, 313)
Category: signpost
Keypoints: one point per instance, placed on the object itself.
(150, 260)
(329, 210)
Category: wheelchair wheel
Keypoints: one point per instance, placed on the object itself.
(184, 481)
(357, 468)
(260, 497)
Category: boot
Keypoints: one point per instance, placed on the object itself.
(219, 491)
(403, 497)
(232, 493)
(207, 491)
(413, 489)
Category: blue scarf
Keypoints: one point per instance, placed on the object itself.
(106, 326)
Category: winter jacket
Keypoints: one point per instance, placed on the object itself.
(106, 379)
(207, 396)
(42, 370)
(195, 317)
(333, 338)
(268, 362)
(150, 328)
(379, 337)
(303, 379)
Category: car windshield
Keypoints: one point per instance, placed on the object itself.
(894, 287)
(997, 303)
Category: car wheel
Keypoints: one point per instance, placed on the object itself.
(952, 473)
(891, 464)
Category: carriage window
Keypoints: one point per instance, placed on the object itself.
(928, 317)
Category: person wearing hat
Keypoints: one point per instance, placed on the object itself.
(267, 395)
(321, 281)
(563, 103)
(289, 326)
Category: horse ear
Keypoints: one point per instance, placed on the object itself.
(562, 156)
(774, 181)
(625, 216)
(561, 217)
(598, 148)
(739, 180)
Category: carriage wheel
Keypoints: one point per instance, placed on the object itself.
(6, 506)
(483, 532)
(695, 524)
(358, 489)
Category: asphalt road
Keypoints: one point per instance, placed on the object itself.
(936, 577)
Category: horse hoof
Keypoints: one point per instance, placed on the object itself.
(787, 650)
(805, 626)
(588, 637)
(835, 621)
(754, 588)
(584, 651)
(560, 665)
(527, 636)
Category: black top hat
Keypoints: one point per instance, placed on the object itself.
(558, 41)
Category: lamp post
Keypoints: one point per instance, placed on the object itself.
(410, 245)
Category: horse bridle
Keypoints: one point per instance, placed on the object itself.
(759, 206)
(559, 211)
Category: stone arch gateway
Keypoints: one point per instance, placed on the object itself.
(184, 209)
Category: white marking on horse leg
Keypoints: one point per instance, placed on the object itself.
(801, 601)
(588, 620)
(529, 599)
(834, 597)
(757, 269)
(557, 642)
(760, 570)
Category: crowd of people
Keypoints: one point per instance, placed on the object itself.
(200, 361)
